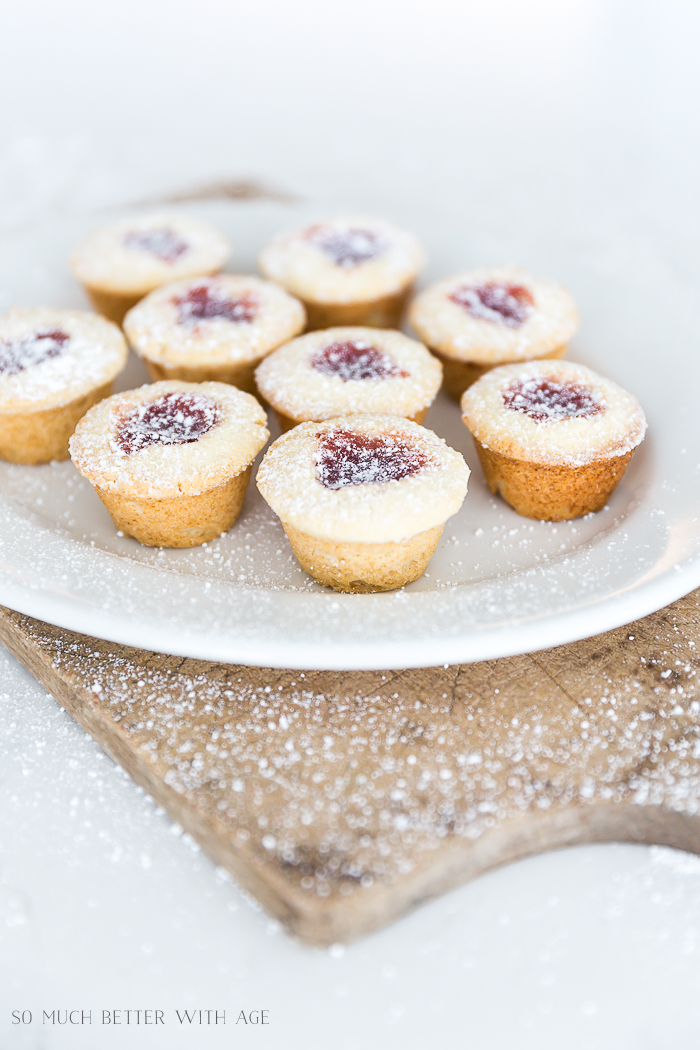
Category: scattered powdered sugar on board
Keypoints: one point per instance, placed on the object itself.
(346, 782)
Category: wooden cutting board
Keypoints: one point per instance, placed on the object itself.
(342, 800)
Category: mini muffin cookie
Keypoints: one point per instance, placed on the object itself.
(363, 499)
(346, 270)
(212, 328)
(171, 461)
(492, 316)
(554, 438)
(54, 365)
(343, 371)
(120, 263)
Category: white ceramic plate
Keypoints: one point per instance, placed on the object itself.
(498, 585)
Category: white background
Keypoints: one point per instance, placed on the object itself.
(574, 116)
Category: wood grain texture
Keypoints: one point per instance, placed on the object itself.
(341, 800)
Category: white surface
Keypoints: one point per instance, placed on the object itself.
(499, 584)
(567, 121)
(105, 905)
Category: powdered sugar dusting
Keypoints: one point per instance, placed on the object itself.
(173, 419)
(347, 246)
(31, 350)
(348, 785)
(51, 357)
(345, 458)
(161, 242)
(508, 304)
(546, 400)
(207, 300)
(356, 361)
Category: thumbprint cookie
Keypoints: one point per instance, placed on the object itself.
(554, 438)
(54, 365)
(343, 371)
(346, 270)
(171, 461)
(363, 499)
(213, 328)
(492, 316)
(120, 263)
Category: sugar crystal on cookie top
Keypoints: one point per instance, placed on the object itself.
(162, 242)
(173, 419)
(347, 247)
(356, 360)
(32, 349)
(547, 400)
(505, 304)
(346, 458)
(204, 301)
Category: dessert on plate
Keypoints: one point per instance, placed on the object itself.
(363, 499)
(554, 438)
(346, 270)
(492, 316)
(212, 328)
(343, 371)
(119, 263)
(171, 461)
(54, 365)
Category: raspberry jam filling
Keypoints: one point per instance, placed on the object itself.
(174, 419)
(31, 350)
(203, 302)
(347, 248)
(345, 458)
(548, 399)
(356, 361)
(162, 243)
(508, 304)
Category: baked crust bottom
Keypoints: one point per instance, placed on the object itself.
(238, 375)
(181, 521)
(552, 493)
(42, 436)
(363, 567)
(112, 305)
(287, 423)
(386, 312)
(458, 376)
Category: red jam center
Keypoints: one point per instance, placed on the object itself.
(356, 361)
(162, 243)
(174, 419)
(31, 350)
(203, 302)
(508, 304)
(548, 399)
(345, 458)
(347, 248)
